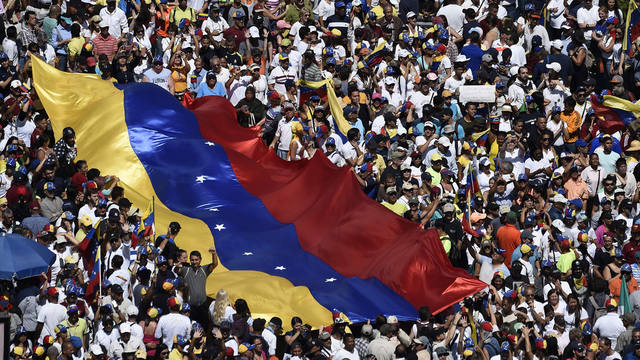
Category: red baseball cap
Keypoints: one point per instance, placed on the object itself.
(52, 291)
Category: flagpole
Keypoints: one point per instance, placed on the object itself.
(153, 211)
(100, 271)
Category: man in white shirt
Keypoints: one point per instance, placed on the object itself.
(269, 334)
(50, 315)
(121, 275)
(348, 352)
(609, 326)
(89, 208)
(280, 74)
(283, 132)
(453, 12)
(587, 18)
(173, 324)
(116, 18)
(215, 24)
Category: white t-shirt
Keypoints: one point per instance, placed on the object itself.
(534, 165)
(171, 325)
(454, 16)
(228, 312)
(609, 326)
(90, 212)
(452, 84)
(324, 9)
(284, 134)
(50, 315)
(556, 18)
(588, 18)
(344, 354)
(554, 127)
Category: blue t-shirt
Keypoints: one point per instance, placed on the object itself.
(474, 53)
(218, 90)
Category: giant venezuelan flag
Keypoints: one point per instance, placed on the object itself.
(293, 238)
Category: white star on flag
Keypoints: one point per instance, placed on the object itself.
(220, 227)
(200, 179)
(210, 143)
(248, 253)
(280, 268)
(330, 280)
(214, 209)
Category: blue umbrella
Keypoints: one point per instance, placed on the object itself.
(22, 257)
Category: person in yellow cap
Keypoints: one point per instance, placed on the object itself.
(281, 73)
(392, 202)
(434, 170)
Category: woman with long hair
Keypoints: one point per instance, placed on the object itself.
(220, 309)
(20, 340)
(574, 313)
(241, 321)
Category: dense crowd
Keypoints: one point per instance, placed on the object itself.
(530, 191)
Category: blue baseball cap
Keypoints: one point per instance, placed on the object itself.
(3, 56)
(529, 7)
(368, 156)
(180, 340)
(11, 162)
(546, 263)
(185, 307)
(617, 253)
(340, 4)
(577, 203)
(330, 141)
(556, 109)
(331, 61)
(157, 59)
(500, 84)
(314, 98)
(49, 186)
(504, 346)
(522, 177)
(12, 147)
(76, 342)
(161, 260)
(102, 202)
(625, 267)
(581, 142)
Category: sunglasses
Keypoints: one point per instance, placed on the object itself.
(546, 139)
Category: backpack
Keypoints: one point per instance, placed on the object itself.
(598, 310)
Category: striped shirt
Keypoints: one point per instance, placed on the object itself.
(107, 46)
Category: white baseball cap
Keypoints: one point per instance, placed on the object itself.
(554, 66)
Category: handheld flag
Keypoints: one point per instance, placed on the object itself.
(632, 27)
(376, 56)
(624, 305)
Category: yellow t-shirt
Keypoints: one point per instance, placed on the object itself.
(175, 354)
(446, 243)
(565, 261)
(398, 208)
(178, 14)
(435, 177)
(80, 329)
(75, 46)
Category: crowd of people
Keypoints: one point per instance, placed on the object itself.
(530, 191)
